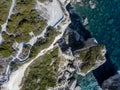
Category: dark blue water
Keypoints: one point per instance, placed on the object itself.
(104, 25)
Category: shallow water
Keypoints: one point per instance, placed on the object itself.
(87, 82)
(104, 25)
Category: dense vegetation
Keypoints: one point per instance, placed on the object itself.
(6, 48)
(90, 56)
(45, 0)
(104, 25)
(25, 20)
(42, 1)
(4, 10)
(41, 74)
(43, 43)
(25, 51)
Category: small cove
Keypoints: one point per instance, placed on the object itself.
(104, 25)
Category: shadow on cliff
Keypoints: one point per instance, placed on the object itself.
(76, 25)
(105, 71)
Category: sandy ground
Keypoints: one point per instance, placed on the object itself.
(52, 11)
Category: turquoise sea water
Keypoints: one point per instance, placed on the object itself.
(87, 82)
(104, 25)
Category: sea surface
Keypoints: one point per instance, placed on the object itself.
(87, 82)
(104, 25)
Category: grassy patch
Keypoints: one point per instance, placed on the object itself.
(4, 10)
(25, 20)
(6, 48)
(13, 66)
(42, 1)
(90, 56)
(25, 51)
(41, 73)
(43, 43)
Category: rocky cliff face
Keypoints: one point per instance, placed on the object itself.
(77, 53)
(78, 60)
(90, 58)
(112, 83)
(87, 54)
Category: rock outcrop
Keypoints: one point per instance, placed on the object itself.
(112, 83)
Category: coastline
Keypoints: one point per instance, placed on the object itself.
(16, 78)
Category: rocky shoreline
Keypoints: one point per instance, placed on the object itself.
(79, 53)
(71, 61)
